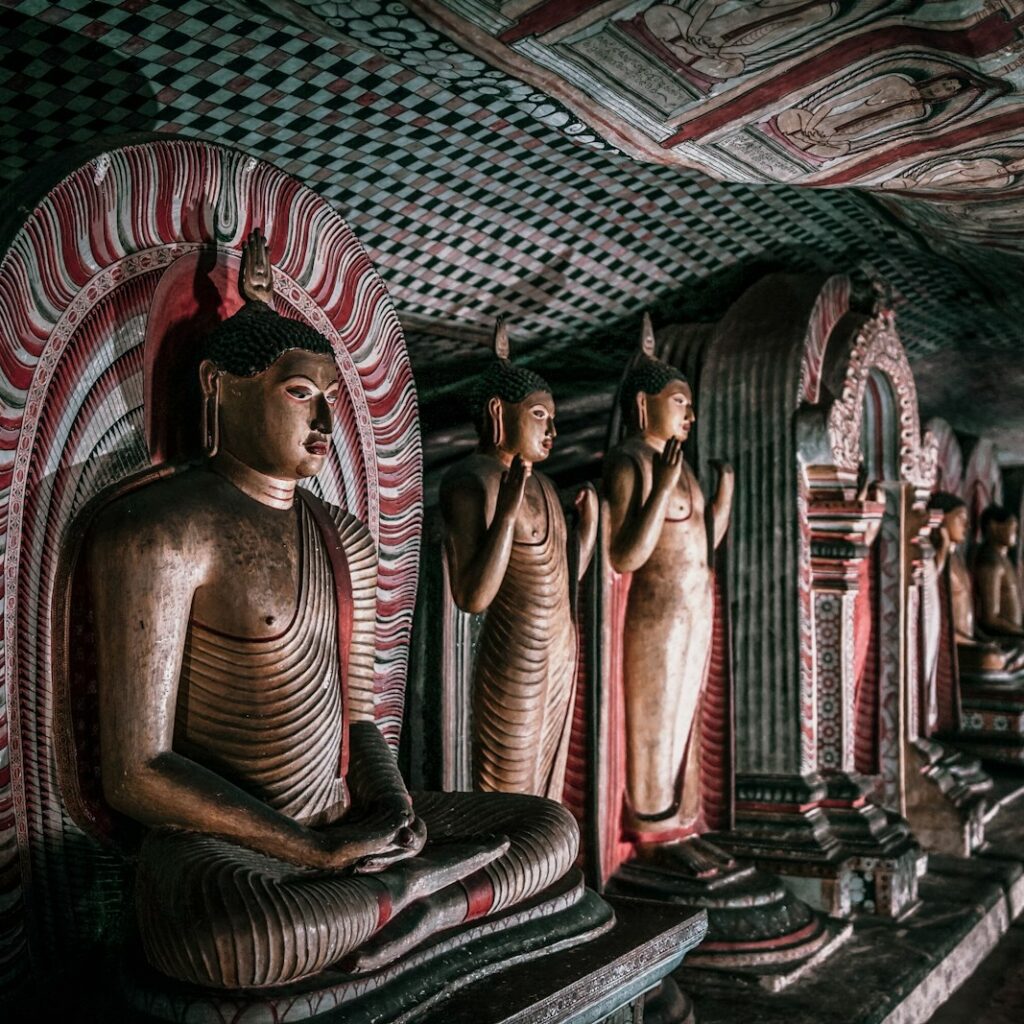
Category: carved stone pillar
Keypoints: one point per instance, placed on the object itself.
(884, 854)
(841, 532)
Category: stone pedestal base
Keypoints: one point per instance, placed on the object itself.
(756, 927)
(836, 851)
(668, 1004)
(563, 932)
(992, 719)
(606, 981)
(895, 972)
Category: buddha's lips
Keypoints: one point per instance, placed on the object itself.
(547, 444)
(316, 447)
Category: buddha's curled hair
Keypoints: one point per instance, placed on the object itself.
(649, 376)
(502, 380)
(248, 342)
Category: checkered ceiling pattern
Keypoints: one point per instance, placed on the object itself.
(473, 196)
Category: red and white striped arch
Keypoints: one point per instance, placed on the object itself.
(77, 289)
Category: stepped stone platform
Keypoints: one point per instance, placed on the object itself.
(610, 979)
(897, 971)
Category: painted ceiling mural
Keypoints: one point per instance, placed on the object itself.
(917, 99)
(479, 191)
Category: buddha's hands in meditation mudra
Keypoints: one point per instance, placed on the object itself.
(227, 716)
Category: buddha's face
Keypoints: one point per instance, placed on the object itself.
(528, 427)
(668, 414)
(279, 422)
(943, 88)
(955, 522)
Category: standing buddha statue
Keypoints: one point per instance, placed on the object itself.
(506, 543)
(658, 530)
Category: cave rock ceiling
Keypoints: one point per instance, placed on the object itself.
(915, 100)
(571, 163)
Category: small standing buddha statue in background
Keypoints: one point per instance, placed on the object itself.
(659, 531)
(234, 627)
(506, 544)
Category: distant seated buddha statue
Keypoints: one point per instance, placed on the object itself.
(234, 621)
(982, 647)
(997, 588)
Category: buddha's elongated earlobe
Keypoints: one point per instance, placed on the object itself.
(641, 410)
(497, 422)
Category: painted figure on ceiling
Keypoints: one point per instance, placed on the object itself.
(962, 174)
(861, 116)
(507, 547)
(716, 37)
(659, 531)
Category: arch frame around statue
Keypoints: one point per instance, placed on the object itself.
(76, 288)
(864, 359)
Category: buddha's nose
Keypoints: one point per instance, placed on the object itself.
(322, 418)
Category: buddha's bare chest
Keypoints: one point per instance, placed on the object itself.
(252, 579)
(685, 503)
(532, 521)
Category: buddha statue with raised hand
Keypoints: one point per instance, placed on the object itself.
(234, 624)
(506, 544)
(658, 531)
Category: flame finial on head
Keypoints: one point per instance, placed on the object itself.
(647, 344)
(502, 379)
(249, 341)
(500, 343)
(646, 374)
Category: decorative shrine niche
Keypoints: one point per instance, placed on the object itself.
(893, 710)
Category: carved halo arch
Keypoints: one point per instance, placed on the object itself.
(78, 280)
(845, 368)
(983, 479)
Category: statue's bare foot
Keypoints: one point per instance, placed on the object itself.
(693, 856)
(438, 866)
(414, 925)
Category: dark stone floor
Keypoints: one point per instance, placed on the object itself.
(995, 992)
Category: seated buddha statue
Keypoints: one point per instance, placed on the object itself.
(661, 530)
(234, 629)
(509, 554)
(978, 650)
(997, 588)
